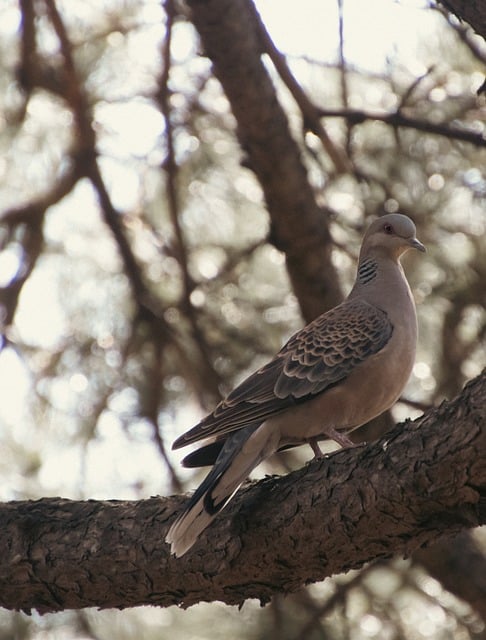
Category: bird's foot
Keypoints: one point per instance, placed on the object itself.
(341, 438)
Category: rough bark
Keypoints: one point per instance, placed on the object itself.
(426, 479)
(230, 38)
(471, 11)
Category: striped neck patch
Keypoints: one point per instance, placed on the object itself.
(367, 270)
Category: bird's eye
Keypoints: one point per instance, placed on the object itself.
(388, 229)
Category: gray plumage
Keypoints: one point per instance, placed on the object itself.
(340, 371)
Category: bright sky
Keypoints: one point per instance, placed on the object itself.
(373, 29)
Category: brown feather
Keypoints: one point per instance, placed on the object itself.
(314, 359)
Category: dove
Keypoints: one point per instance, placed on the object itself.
(343, 369)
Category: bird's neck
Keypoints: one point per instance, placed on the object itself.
(368, 270)
(381, 280)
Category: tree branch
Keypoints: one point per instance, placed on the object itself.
(472, 11)
(425, 479)
(31, 217)
(398, 119)
(308, 109)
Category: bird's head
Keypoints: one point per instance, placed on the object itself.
(391, 235)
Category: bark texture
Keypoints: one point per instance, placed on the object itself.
(426, 479)
(299, 227)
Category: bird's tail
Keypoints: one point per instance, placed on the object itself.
(237, 459)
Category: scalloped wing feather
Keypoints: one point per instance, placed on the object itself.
(316, 358)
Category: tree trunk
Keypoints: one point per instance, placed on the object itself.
(299, 227)
(424, 480)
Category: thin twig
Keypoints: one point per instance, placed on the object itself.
(212, 378)
(397, 119)
(32, 216)
(154, 387)
(343, 76)
(417, 81)
(308, 109)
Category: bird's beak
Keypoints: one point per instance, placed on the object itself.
(416, 244)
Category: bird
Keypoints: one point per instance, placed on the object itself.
(346, 367)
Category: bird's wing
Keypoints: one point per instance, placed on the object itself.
(316, 358)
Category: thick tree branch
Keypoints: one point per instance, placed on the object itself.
(231, 39)
(424, 480)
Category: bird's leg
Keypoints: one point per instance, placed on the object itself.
(314, 444)
(340, 438)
